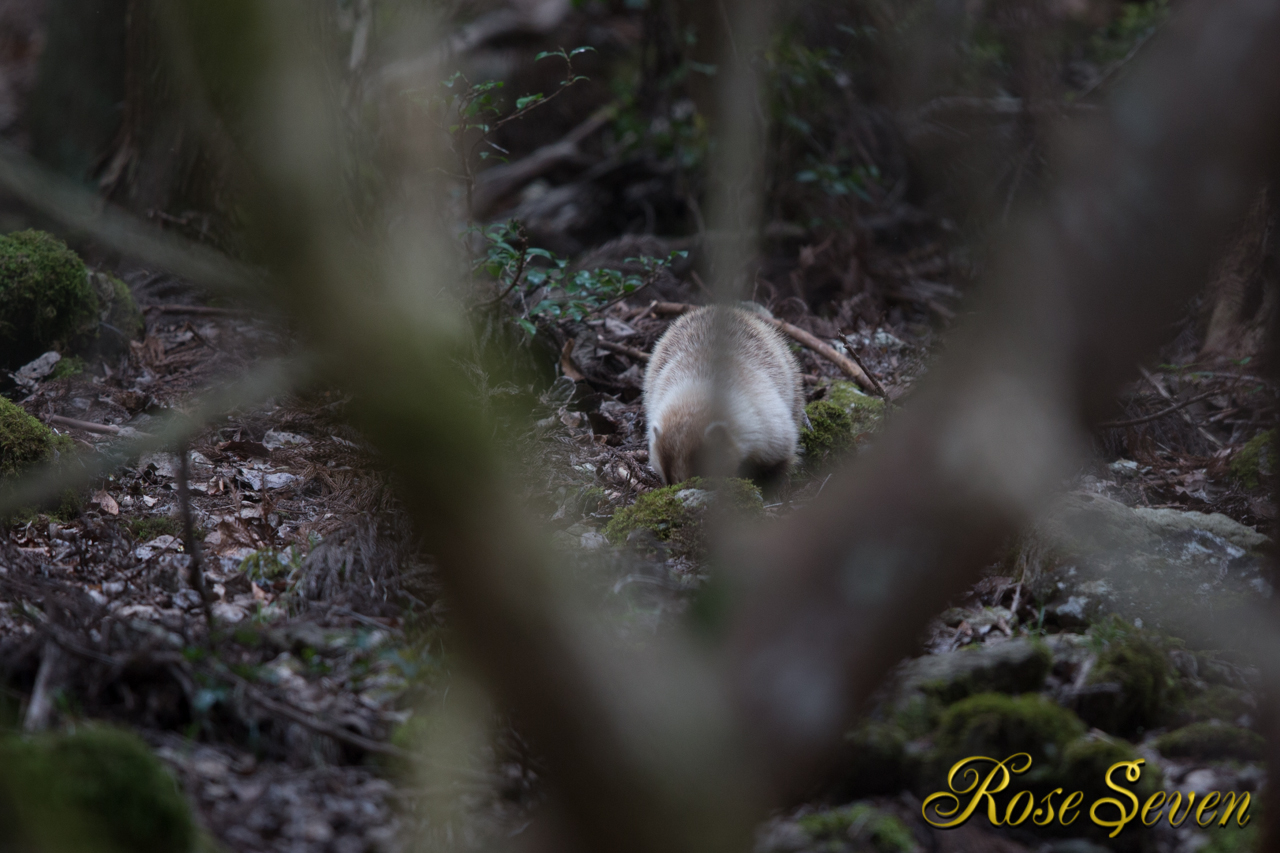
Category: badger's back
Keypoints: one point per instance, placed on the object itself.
(757, 429)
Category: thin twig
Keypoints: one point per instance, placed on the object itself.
(1159, 386)
(850, 367)
(313, 723)
(188, 532)
(854, 355)
(623, 349)
(1160, 414)
(199, 310)
(87, 426)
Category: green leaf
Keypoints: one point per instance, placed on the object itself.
(521, 103)
(530, 329)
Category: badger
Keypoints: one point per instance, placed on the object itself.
(751, 429)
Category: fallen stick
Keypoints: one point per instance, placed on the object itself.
(315, 724)
(87, 426)
(848, 365)
(622, 349)
(206, 310)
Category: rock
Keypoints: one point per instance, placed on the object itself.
(1179, 572)
(1209, 741)
(676, 514)
(1255, 460)
(1132, 686)
(1169, 521)
(828, 433)
(98, 790)
(25, 442)
(33, 371)
(860, 822)
(996, 725)
(1018, 666)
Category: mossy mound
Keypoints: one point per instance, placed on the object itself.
(99, 790)
(875, 760)
(1149, 688)
(119, 317)
(675, 514)
(863, 823)
(828, 434)
(998, 726)
(1212, 741)
(1254, 461)
(45, 296)
(1019, 666)
(1086, 760)
(865, 411)
(1220, 702)
(25, 442)
(49, 300)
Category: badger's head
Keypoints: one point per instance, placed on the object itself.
(688, 445)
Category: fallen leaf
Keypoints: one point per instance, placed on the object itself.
(106, 503)
(567, 365)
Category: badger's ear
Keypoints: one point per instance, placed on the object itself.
(657, 431)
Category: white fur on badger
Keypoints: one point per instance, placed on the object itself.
(762, 399)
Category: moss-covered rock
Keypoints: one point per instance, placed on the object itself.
(99, 790)
(828, 433)
(1220, 702)
(1018, 666)
(1208, 741)
(1086, 760)
(865, 411)
(1149, 691)
(875, 760)
(120, 321)
(49, 300)
(25, 442)
(1253, 462)
(838, 420)
(675, 514)
(45, 296)
(998, 726)
(860, 822)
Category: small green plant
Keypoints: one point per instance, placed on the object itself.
(146, 529)
(264, 567)
(544, 286)
(472, 112)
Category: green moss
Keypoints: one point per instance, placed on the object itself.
(68, 367)
(1017, 667)
(1086, 760)
(1208, 741)
(45, 296)
(124, 314)
(828, 434)
(1149, 688)
(1254, 461)
(862, 822)
(996, 725)
(1219, 702)
(25, 442)
(1233, 838)
(146, 529)
(99, 790)
(677, 520)
(876, 760)
(865, 411)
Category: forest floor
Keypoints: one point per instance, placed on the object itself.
(305, 721)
